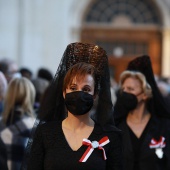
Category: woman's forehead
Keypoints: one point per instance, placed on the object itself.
(82, 79)
(132, 81)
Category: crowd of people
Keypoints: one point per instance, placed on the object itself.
(85, 119)
(20, 97)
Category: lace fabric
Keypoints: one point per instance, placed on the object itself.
(53, 106)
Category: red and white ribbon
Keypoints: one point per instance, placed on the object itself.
(157, 144)
(94, 145)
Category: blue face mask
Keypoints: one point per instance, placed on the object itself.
(78, 102)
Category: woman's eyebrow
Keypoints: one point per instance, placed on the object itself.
(73, 84)
(87, 86)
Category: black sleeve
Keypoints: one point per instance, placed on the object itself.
(36, 161)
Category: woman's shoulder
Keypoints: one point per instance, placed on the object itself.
(161, 120)
(166, 123)
(49, 127)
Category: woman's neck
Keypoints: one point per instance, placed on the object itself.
(139, 115)
(73, 122)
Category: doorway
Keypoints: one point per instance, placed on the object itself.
(123, 45)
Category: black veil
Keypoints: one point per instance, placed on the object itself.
(157, 104)
(53, 106)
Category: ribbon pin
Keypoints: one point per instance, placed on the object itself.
(93, 145)
(158, 145)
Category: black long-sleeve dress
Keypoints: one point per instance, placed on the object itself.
(138, 153)
(50, 150)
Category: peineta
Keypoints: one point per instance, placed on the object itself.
(88, 53)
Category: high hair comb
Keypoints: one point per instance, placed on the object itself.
(88, 53)
(143, 64)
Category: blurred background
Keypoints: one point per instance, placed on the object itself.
(35, 33)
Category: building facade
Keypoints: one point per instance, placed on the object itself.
(35, 33)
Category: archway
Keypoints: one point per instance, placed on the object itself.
(126, 29)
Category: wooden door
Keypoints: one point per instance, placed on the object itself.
(123, 45)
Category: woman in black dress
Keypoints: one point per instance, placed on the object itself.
(143, 117)
(71, 138)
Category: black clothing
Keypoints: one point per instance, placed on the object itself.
(50, 150)
(140, 155)
(136, 143)
(3, 156)
(15, 135)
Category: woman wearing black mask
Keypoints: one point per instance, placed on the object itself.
(134, 85)
(142, 115)
(70, 138)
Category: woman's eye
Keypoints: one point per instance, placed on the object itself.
(86, 90)
(72, 88)
(131, 89)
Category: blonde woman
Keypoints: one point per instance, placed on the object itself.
(18, 119)
(143, 117)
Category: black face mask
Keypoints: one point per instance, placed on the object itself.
(127, 100)
(78, 102)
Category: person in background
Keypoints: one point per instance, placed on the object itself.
(9, 68)
(164, 88)
(17, 119)
(44, 73)
(25, 72)
(144, 118)
(70, 138)
(40, 87)
(3, 88)
(113, 89)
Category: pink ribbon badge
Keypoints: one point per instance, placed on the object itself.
(93, 145)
